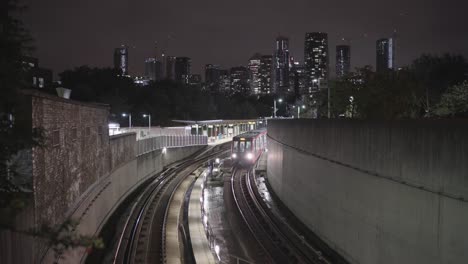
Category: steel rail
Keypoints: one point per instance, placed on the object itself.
(149, 202)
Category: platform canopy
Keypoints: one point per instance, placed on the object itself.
(216, 122)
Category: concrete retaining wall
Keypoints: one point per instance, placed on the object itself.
(100, 203)
(122, 149)
(376, 192)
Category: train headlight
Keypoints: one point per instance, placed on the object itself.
(249, 156)
(234, 155)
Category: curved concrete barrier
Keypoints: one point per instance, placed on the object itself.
(376, 192)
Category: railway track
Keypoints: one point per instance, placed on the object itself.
(143, 237)
(278, 241)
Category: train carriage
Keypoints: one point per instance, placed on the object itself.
(246, 148)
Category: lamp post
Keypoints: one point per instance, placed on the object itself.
(274, 106)
(129, 119)
(149, 121)
(299, 110)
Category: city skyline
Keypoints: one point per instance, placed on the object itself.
(419, 30)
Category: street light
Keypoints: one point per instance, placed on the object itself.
(129, 119)
(149, 120)
(299, 109)
(274, 106)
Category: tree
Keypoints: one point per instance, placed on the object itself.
(15, 44)
(378, 95)
(437, 73)
(454, 102)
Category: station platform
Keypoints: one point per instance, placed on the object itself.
(200, 244)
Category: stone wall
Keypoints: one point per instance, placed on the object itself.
(80, 173)
(377, 192)
(75, 154)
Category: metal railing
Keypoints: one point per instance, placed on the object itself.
(154, 143)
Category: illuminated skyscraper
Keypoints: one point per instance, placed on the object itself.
(239, 80)
(254, 73)
(385, 54)
(121, 59)
(316, 60)
(297, 78)
(182, 69)
(281, 66)
(265, 72)
(343, 60)
(153, 69)
(224, 82)
(169, 69)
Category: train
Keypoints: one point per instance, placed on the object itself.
(246, 148)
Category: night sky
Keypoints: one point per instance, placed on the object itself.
(85, 32)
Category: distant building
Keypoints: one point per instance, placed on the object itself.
(385, 54)
(37, 77)
(265, 72)
(121, 59)
(169, 68)
(292, 73)
(212, 75)
(195, 80)
(239, 80)
(254, 73)
(297, 79)
(224, 81)
(316, 60)
(141, 81)
(182, 69)
(281, 66)
(153, 69)
(343, 60)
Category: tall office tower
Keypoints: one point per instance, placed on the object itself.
(296, 79)
(170, 67)
(224, 81)
(239, 80)
(265, 72)
(316, 61)
(292, 72)
(182, 69)
(281, 66)
(254, 73)
(212, 74)
(153, 69)
(343, 60)
(300, 80)
(385, 54)
(121, 59)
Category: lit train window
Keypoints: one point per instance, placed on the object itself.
(235, 146)
(242, 146)
(248, 145)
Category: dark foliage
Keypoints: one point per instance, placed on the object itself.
(165, 100)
